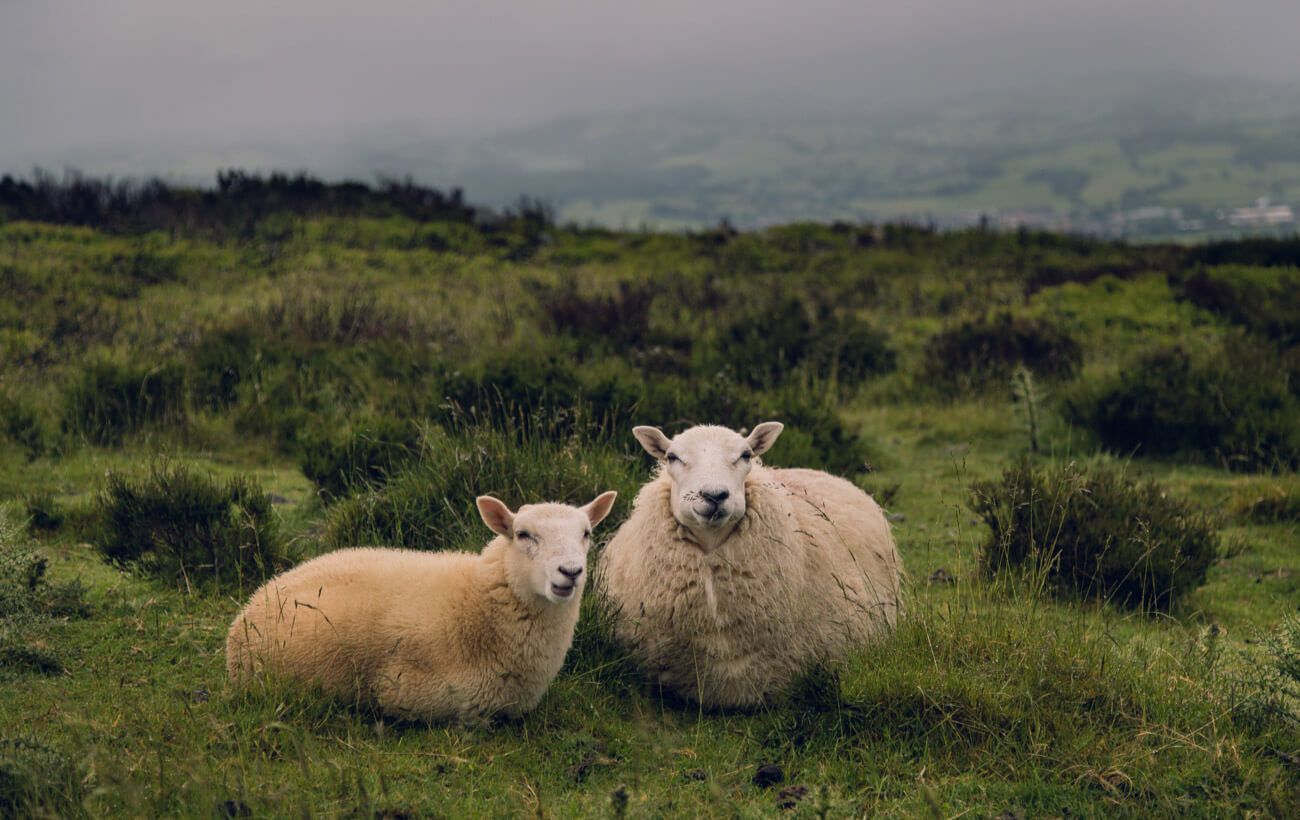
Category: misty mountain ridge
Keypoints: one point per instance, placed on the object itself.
(1077, 151)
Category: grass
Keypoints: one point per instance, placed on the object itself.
(991, 697)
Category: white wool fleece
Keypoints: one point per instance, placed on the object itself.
(809, 570)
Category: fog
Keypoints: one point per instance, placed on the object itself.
(83, 81)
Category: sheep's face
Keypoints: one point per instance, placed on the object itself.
(708, 466)
(549, 543)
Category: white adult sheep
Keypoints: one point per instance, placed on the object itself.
(729, 578)
(429, 636)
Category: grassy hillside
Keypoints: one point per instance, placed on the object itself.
(362, 372)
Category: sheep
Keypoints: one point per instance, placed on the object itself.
(730, 578)
(437, 637)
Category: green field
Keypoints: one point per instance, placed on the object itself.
(263, 352)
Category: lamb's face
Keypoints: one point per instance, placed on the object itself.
(708, 466)
(549, 542)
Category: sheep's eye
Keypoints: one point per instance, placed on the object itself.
(525, 534)
(673, 457)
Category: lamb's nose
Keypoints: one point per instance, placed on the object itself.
(571, 573)
(715, 497)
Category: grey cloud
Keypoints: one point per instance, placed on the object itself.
(85, 77)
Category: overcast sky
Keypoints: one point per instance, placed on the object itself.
(84, 75)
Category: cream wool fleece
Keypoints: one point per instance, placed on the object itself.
(428, 636)
(810, 570)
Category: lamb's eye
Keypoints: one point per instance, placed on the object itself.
(673, 457)
(524, 534)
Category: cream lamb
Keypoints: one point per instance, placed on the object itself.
(729, 577)
(429, 636)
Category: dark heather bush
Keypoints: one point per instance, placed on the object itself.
(1094, 531)
(219, 362)
(1267, 697)
(620, 321)
(545, 387)
(767, 345)
(189, 529)
(365, 455)
(43, 513)
(21, 424)
(22, 573)
(28, 601)
(1265, 302)
(1231, 405)
(534, 382)
(37, 781)
(981, 352)
(109, 399)
(431, 505)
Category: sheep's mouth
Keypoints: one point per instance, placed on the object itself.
(712, 515)
(561, 591)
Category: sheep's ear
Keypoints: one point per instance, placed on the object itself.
(496, 515)
(764, 436)
(653, 440)
(598, 509)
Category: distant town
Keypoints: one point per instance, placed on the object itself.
(1263, 218)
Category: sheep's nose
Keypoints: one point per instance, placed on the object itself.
(715, 497)
(571, 573)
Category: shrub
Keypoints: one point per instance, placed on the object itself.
(981, 352)
(1231, 404)
(431, 505)
(36, 781)
(769, 344)
(22, 424)
(1266, 301)
(1095, 531)
(28, 601)
(543, 387)
(1269, 695)
(43, 513)
(365, 455)
(536, 381)
(109, 398)
(22, 573)
(620, 320)
(220, 361)
(190, 529)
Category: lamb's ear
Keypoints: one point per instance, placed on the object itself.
(764, 436)
(598, 509)
(653, 440)
(496, 515)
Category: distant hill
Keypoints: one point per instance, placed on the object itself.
(1135, 156)
(1082, 155)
